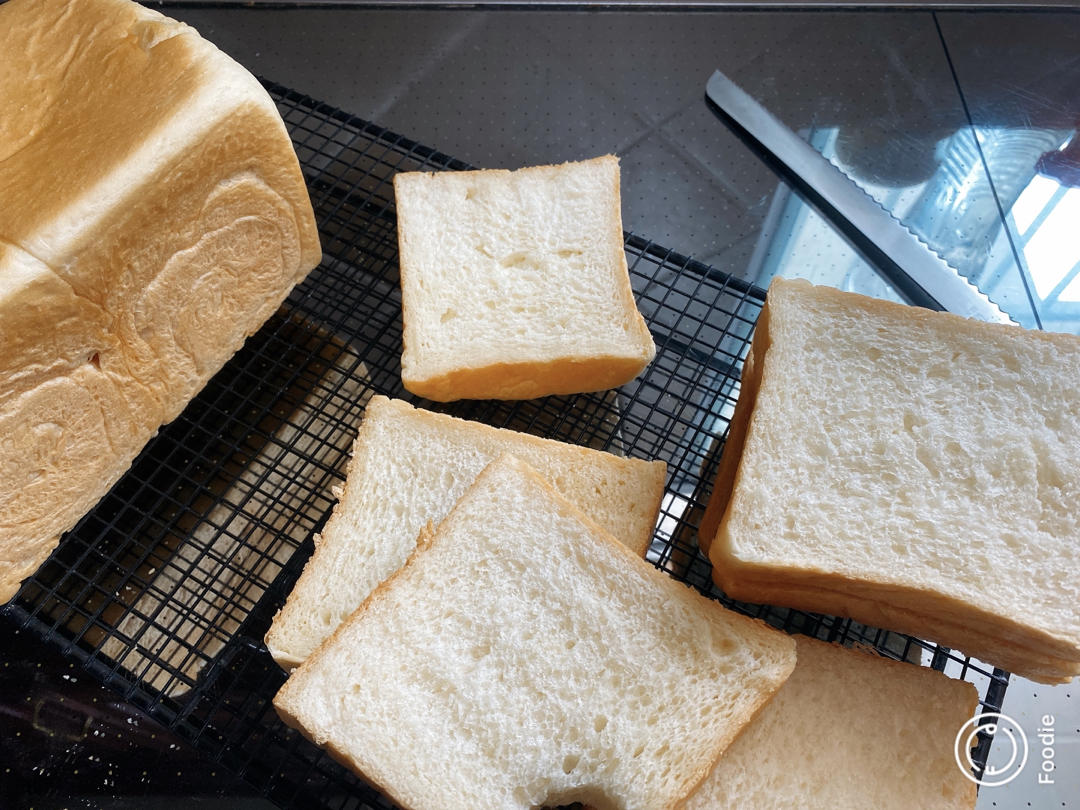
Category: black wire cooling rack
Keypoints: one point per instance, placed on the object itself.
(165, 590)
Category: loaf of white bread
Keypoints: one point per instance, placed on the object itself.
(514, 285)
(154, 215)
(848, 731)
(524, 658)
(913, 470)
(409, 466)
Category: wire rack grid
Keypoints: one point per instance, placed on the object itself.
(165, 590)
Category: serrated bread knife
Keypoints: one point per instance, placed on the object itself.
(920, 275)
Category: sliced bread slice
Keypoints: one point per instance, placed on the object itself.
(525, 658)
(912, 469)
(514, 285)
(409, 466)
(848, 730)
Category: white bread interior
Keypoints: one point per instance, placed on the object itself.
(847, 731)
(514, 284)
(912, 470)
(409, 466)
(154, 216)
(524, 658)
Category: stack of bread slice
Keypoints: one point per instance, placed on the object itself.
(910, 469)
(524, 658)
(409, 466)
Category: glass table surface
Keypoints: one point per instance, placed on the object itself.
(962, 123)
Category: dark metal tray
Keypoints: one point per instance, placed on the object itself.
(164, 591)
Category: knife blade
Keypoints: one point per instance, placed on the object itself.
(919, 274)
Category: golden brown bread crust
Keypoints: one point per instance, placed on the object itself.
(737, 430)
(994, 639)
(527, 380)
(157, 216)
(88, 82)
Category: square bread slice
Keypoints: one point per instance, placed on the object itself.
(847, 731)
(409, 467)
(154, 215)
(524, 658)
(514, 285)
(910, 469)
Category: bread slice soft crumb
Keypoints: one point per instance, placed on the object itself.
(910, 469)
(525, 658)
(870, 732)
(514, 284)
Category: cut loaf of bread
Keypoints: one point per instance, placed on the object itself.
(524, 658)
(153, 216)
(514, 285)
(409, 466)
(848, 731)
(913, 470)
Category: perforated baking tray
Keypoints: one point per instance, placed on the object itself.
(164, 591)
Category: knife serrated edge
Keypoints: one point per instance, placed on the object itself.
(986, 307)
(918, 273)
(991, 306)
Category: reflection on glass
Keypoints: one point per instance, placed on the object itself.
(1045, 219)
(1047, 229)
(797, 242)
(983, 207)
(958, 211)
